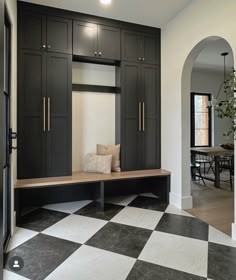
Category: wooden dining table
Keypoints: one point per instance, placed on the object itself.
(216, 152)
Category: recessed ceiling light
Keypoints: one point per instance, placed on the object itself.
(105, 2)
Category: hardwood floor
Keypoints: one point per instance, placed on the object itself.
(213, 206)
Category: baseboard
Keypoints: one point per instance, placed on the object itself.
(233, 231)
(181, 202)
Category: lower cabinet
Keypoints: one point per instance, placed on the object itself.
(44, 114)
(140, 116)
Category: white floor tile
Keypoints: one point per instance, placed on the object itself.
(8, 275)
(177, 252)
(89, 263)
(75, 228)
(68, 207)
(173, 210)
(123, 200)
(20, 236)
(149, 195)
(138, 217)
(219, 237)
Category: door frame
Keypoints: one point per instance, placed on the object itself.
(2, 15)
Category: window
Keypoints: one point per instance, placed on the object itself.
(200, 120)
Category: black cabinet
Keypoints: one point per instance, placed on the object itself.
(44, 114)
(96, 41)
(140, 116)
(41, 32)
(140, 47)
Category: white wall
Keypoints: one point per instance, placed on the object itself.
(209, 81)
(12, 12)
(200, 20)
(93, 114)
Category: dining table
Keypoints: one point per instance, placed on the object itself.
(215, 152)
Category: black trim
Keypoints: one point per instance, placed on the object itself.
(94, 88)
(193, 94)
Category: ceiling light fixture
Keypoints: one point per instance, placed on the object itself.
(105, 2)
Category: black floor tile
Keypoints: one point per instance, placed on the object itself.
(41, 219)
(147, 271)
(184, 226)
(93, 210)
(221, 262)
(121, 239)
(150, 203)
(41, 255)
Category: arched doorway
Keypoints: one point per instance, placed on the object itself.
(185, 117)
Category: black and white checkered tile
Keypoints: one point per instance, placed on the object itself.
(136, 238)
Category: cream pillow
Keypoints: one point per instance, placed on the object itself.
(113, 150)
(98, 164)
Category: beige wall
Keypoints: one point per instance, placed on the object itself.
(200, 20)
(12, 12)
(93, 114)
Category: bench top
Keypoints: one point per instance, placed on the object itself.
(84, 177)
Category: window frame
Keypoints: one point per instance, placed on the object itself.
(192, 108)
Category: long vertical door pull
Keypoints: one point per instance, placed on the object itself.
(44, 119)
(49, 114)
(143, 112)
(139, 117)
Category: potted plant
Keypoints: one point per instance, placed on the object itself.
(227, 108)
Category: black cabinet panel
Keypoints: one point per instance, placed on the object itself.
(131, 45)
(32, 31)
(150, 49)
(84, 38)
(59, 35)
(31, 90)
(108, 42)
(59, 94)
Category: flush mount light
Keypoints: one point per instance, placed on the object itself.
(105, 2)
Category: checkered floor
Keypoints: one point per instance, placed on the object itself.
(135, 238)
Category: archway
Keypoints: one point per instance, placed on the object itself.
(185, 116)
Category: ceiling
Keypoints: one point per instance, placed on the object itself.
(210, 57)
(156, 13)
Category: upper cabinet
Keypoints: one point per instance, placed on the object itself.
(96, 41)
(140, 47)
(40, 32)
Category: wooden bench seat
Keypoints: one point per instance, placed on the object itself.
(82, 185)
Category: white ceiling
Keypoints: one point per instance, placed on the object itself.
(210, 57)
(156, 13)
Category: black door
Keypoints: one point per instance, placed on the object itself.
(6, 130)
(131, 46)
(131, 126)
(151, 117)
(59, 35)
(85, 39)
(58, 125)
(150, 49)
(31, 114)
(32, 31)
(108, 42)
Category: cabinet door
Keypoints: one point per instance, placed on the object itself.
(59, 35)
(131, 46)
(32, 31)
(151, 126)
(108, 42)
(84, 39)
(150, 49)
(31, 134)
(59, 94)
(130, 94)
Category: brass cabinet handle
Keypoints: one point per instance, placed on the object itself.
(143, 116)
(49, 113)
(44, 119)
(139, 116)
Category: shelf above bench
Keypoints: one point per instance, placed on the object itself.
(94, 88)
